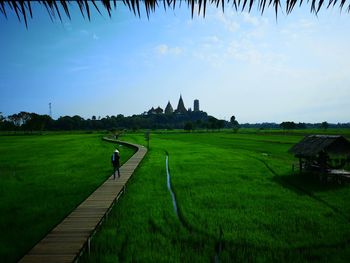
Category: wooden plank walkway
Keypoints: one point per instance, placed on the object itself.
(67, 240)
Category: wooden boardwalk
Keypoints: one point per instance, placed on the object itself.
(66, 241)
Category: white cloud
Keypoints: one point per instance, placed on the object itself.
(84, 32)
(228, 21)
(68, 26)
(210, 58)
(300, 30)
(164, 49)
(213, 39)
(248, 18)
(176, 50)
(87, 33)
(245, 51)
(305, 24)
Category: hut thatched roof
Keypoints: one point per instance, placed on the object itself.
(55, 9)
(312, 145)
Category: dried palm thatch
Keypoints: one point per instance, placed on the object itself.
(312, 145)
(55, 8)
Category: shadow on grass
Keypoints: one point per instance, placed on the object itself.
(302, 183)
(307, 182)
(222, 249)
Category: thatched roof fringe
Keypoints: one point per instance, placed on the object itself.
(22, 7)
(312, 145)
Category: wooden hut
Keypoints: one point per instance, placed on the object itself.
(322, 154)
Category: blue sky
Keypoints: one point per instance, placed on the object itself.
(247, 65)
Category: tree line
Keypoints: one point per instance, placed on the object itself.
(25, 121)
(291, 125)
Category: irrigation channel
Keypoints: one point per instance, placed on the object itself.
(219, 243)
(169, 185)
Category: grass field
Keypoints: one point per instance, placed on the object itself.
(238, 201)
(42, 179)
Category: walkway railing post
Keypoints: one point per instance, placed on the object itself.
(89, 245)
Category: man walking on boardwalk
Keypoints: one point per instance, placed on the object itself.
(115, 162)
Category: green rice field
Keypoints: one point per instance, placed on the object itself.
(238, 201)
(42, 179)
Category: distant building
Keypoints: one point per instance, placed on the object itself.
(158, 110)
(169, 108)
(196, 105)
(152, 111)
(181, 107)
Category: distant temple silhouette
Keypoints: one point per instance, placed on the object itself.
(169, 108)
(181, 106)
(196, 105)
(181, 109)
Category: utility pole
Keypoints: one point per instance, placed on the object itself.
(147, 138)
(50, 110)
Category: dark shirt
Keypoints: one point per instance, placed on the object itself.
(115, 159)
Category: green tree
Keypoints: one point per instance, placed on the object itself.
(14, 119)
(324, 125)
(24, 117)
(188, 126)
(2, 120)
(288, 125)
(38, 122)
(220, 124)
(211, 124)
(199, 124)
(234, 124)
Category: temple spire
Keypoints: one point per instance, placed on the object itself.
(169, 108)
(181, 106)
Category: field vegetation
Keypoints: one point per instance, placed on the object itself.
(42, 179)
(238, 200)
